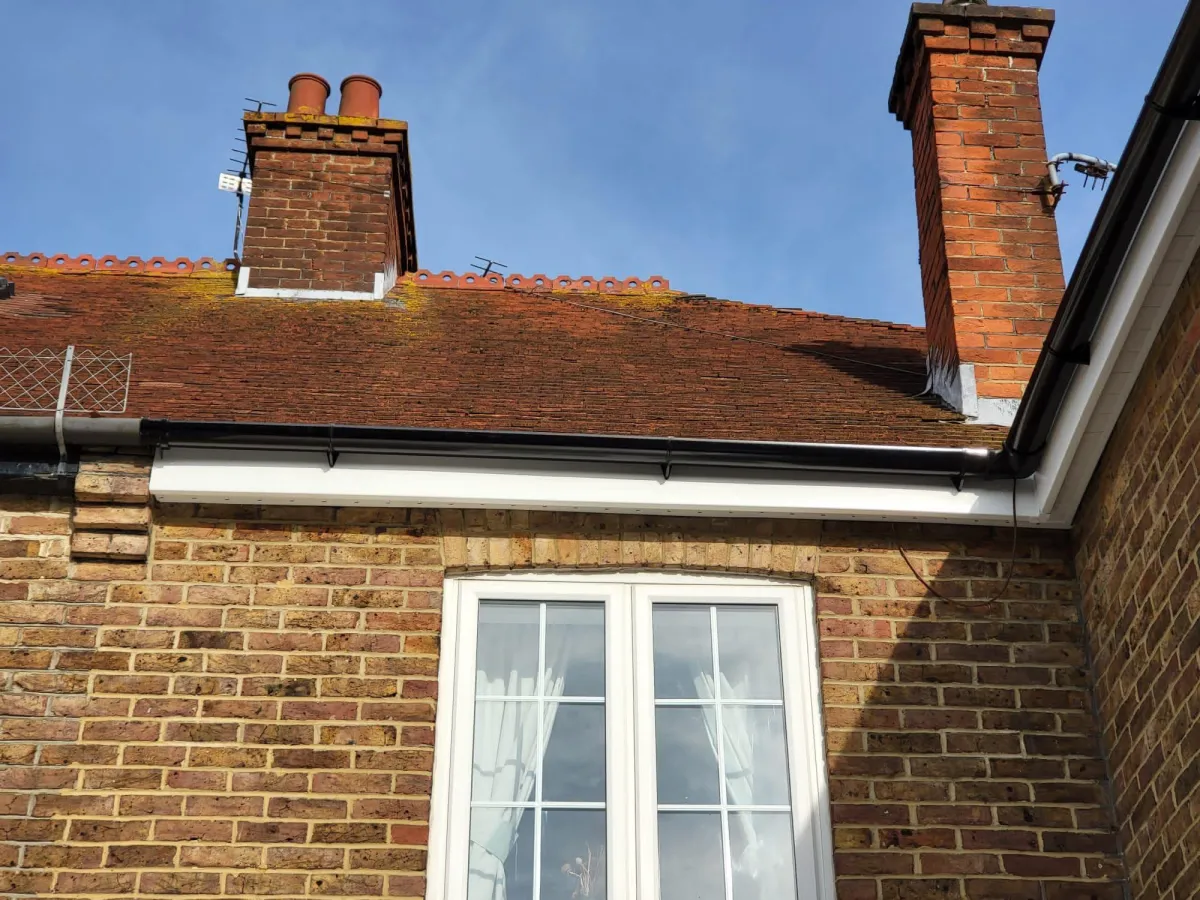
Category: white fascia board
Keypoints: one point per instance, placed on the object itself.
(192, 475)
(1158, 258)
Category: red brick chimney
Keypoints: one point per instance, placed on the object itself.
(966, 86)
(331, 213)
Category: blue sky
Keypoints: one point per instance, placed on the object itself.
(743, 149)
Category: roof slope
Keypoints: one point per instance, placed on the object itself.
(507, 359)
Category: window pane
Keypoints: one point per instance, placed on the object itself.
(691, 865)
(687, 762)
(506, 750)
(575, 649)
(748, 647)
(574, 861)
(574, 765)
(501, 855)
(507, 654)
(763, 859)
(755, 755)
(682, 652)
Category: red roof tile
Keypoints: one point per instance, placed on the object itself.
(648, 362)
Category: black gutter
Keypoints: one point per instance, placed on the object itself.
(79, 431)
(1174, 98)
(38, 477)
(956, 463)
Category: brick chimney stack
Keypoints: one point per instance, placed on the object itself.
(331, 213)
(966, 86)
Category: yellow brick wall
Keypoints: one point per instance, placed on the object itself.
(250, 710)
(1138, 552)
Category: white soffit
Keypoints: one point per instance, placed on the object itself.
(193, 475)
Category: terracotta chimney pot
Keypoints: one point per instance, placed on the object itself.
(307, 94)
(360, 97)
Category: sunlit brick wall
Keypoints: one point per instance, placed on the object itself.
(250, 711)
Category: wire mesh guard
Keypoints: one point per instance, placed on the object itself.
(31, 380)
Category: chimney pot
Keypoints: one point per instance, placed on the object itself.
(307, 94)
(360, 97)
(302, 243)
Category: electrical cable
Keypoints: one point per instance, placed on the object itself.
(968, 604)
(733, 337)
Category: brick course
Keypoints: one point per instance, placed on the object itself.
(1137, 541)
(253, 713)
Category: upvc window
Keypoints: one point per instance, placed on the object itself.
(622, 736)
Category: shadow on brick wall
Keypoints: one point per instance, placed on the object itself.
(963, 751)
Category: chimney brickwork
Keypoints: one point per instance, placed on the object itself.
(331, 213)
(966, 87)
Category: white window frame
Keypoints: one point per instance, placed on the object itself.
(629, 715)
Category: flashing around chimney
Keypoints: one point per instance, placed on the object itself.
(384, 282)
(955, 386)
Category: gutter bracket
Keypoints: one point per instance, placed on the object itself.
(60, 408)
(331, 455)
(1080, 354)
(1189, 110)
(666, 464)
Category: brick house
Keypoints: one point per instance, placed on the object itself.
(325, 575)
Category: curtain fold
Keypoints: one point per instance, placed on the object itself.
(505, 762)
(754, 863)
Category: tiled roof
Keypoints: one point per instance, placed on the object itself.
(628, 358)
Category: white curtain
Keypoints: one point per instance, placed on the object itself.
(506, 755)
(758, 862)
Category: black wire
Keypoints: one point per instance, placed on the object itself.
(1034, 189)
(969, 604)
(733, 337)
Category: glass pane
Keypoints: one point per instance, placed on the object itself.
(687, 762)
(682, 652)
(575, 649)
(574, 861)
(748, 651)
(507, 655)
(574, 766)
(501, 855)
(763, 863)
(755, 755)
(691, 865)
(506, 750)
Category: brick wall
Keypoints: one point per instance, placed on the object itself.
(1138, 539)
(967, 89)
(331, 204)
(251, 713)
